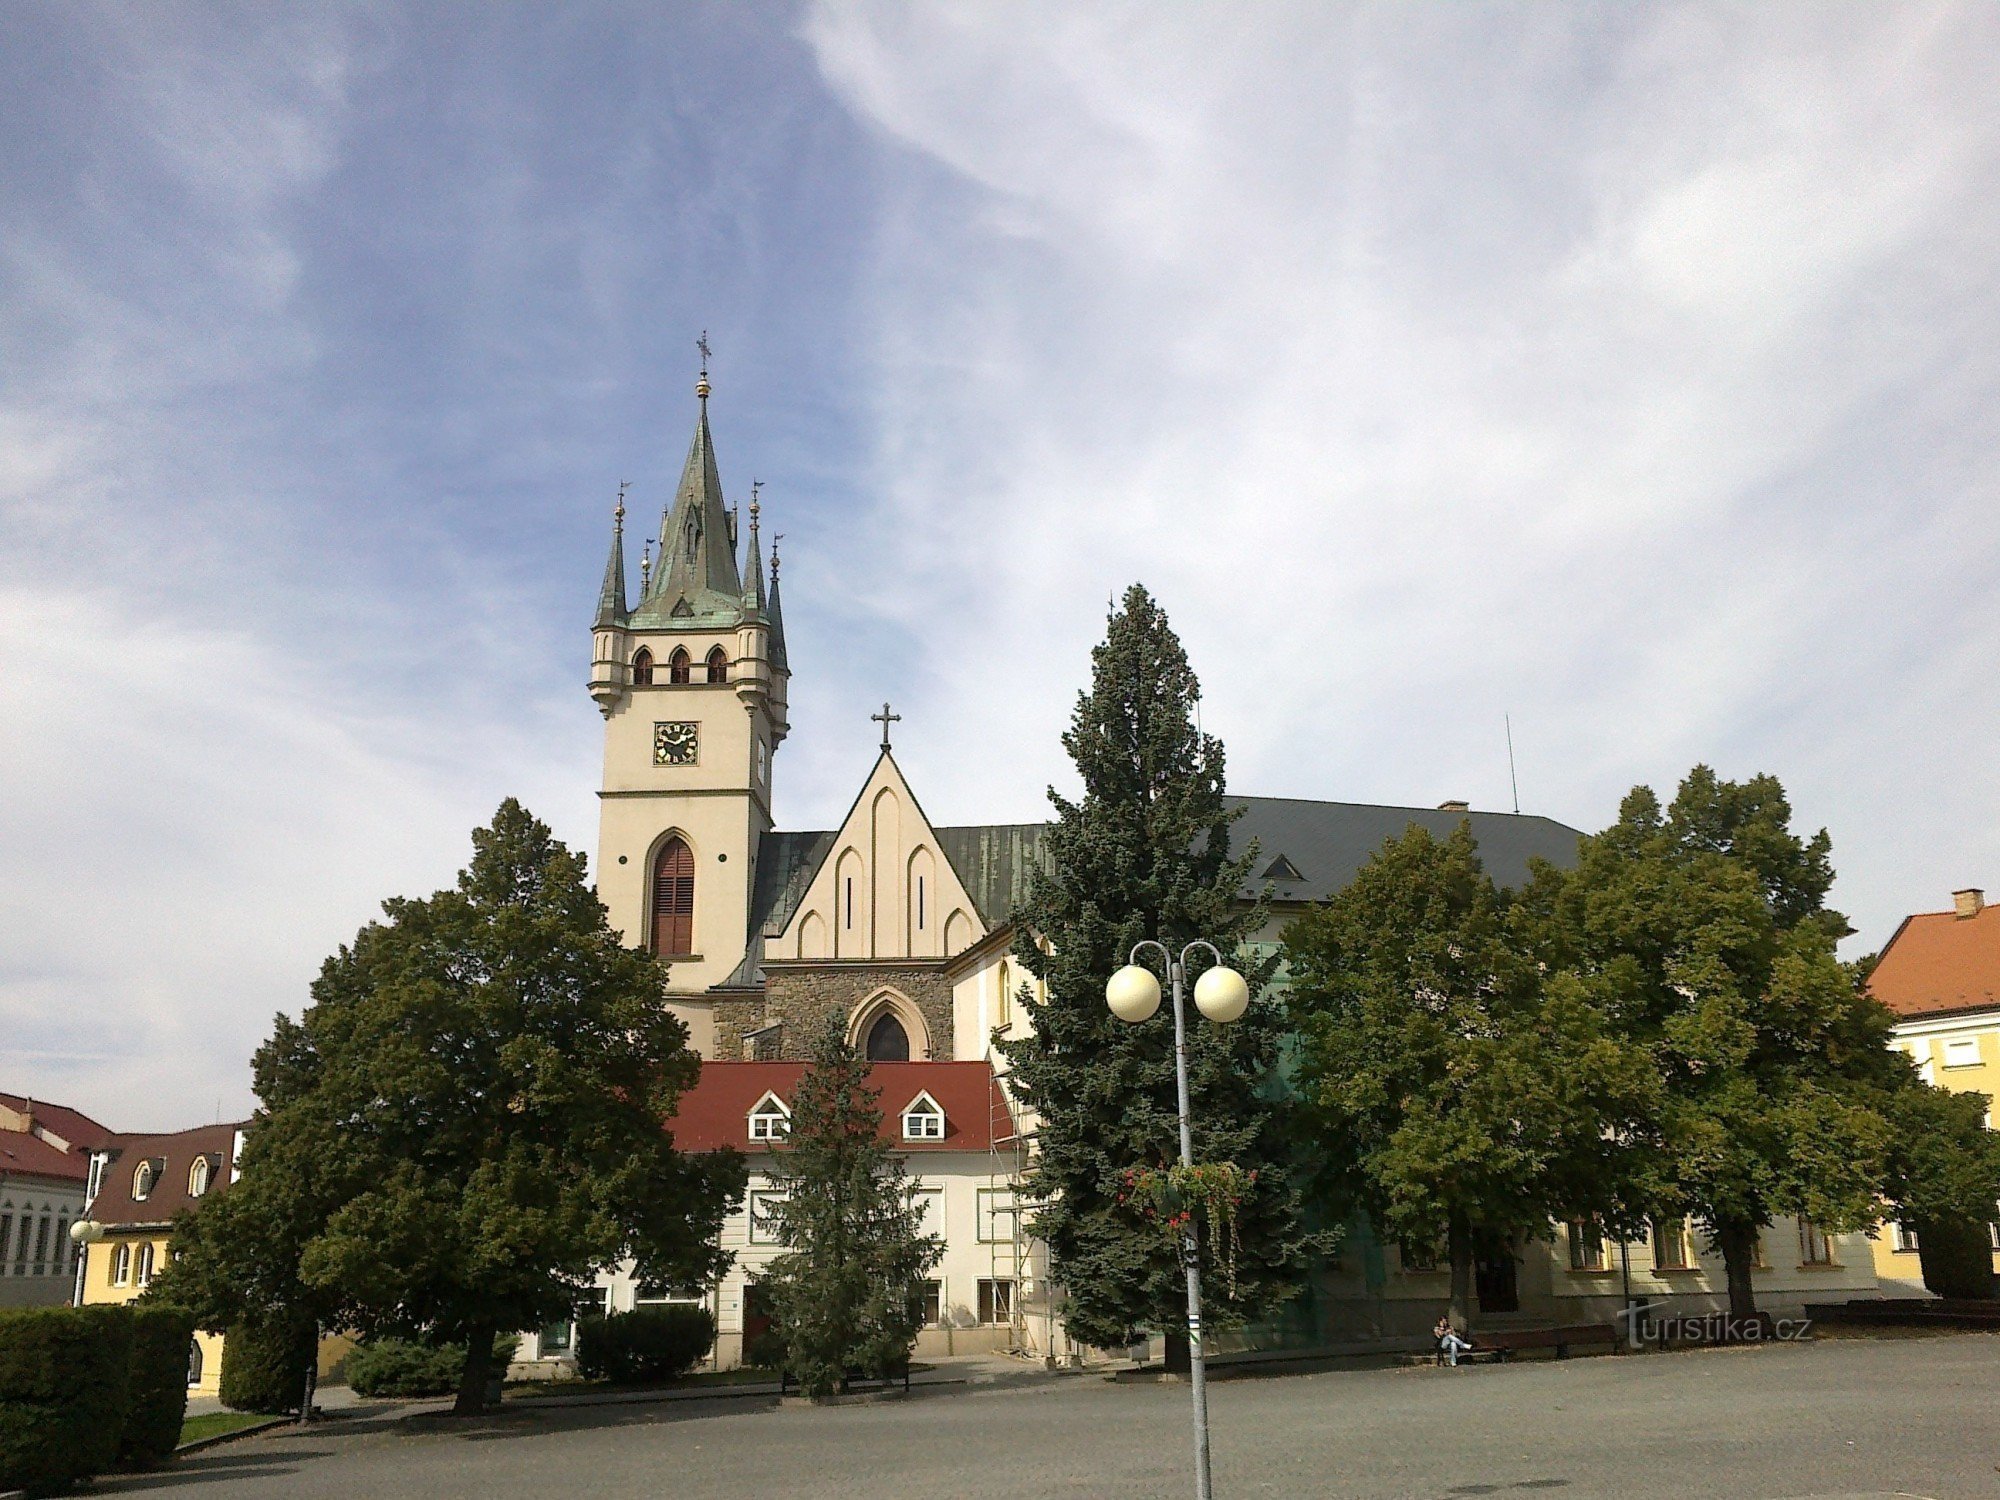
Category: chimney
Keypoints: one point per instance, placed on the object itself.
(1454, 806)
(1969, 902)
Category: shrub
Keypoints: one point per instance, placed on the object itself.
(648, 1343)
(404, 1367)
(64, 1373)
(156, 1393)
(264, 1364)
(409, 1367)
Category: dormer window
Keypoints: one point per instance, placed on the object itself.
(198, 1176)
(718, 665)
(642, 668)
(143, 1178)
(678, 666)
(923, 1120)
(770, 1120)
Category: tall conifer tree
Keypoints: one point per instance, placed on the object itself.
(1144, 853)
(847, 1292)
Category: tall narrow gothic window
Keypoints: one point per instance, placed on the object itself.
(677, 665)
(642, 668)
(673, 899)
(887, 1041)
(718, 665)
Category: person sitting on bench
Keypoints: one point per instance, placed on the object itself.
(1449, 1343)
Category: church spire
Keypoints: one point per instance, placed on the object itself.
(611, 598)
(775, 612)
(697, 561)
(753, 564)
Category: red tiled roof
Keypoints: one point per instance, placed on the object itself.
(115, 1204)
(72, 1125)
(716, 1111)
(30, 1155)
(1939, 962)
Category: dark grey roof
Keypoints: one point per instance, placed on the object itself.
(1325, 842)
(1328, 842)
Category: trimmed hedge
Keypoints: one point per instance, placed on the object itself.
(408, 1367)
(1957, 1257)
(264, 1365)
(64, 1374)
(648, 1343)
(156, 1394)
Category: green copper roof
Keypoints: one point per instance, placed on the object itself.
(696, 585)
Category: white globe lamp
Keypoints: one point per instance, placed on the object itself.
(1221, 995)
(1133, 993)
(85, 1232)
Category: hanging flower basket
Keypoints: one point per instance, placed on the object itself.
(1171, 1197)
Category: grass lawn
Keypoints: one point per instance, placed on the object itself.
(215, 1423)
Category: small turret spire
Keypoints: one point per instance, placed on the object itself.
(774, 610)
(611, 597)
(646, 568)
(753, 566)
(701, 384)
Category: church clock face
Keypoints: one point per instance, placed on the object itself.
(676, 744)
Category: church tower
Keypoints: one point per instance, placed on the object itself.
(691, 680)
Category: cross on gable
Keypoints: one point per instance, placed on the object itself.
(885, 719)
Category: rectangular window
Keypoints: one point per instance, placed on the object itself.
(62, 1244)
(930, 1303)
(1671, 1250)
(1814, 1248)
(654, 1292)
(920, 901)
(1906, 1239)
(923, 1121)
(1962, 1052)
(763, 1219)
(850, 901)
(6, 1234)
(558, 1337)
(996, 1215)
(930, 1210)
(996, 1299)
(1586, 1247)
(770, 1123)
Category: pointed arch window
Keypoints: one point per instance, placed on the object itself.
(678, 666)
(198, 1176)
(718, 665)
(673, 899)
(642, 668)
(887, 1040)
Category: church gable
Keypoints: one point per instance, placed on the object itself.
(884, 889)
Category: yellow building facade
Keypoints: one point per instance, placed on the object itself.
(1940, 974)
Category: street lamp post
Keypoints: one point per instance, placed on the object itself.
(1220, 994)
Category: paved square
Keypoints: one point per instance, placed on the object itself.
(1846, 1417)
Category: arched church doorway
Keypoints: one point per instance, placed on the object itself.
(887, 1040)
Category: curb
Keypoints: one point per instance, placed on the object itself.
(200, 1444)
(661, 1398)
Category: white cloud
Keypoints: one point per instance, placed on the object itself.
(1621, 370)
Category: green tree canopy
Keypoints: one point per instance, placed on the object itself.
(1702, 932)
(1144, 853)
(847, 1293)
(1468, 1101)
(1943, 1181)
(469, 1122)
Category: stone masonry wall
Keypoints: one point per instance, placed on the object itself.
(802, 999)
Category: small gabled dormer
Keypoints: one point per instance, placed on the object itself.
(770, 1120)
(923, 1119)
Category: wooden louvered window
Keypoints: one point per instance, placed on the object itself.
(642, 668)
(718, 665)
(677, 665)
(673, 900)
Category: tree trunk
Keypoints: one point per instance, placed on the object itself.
(1176, 1359)
(1459, 1244)
(312, 1378)
(1737, 1240)
(478, 1364)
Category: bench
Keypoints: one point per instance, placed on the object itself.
(1500, 1346)
(857, 1377)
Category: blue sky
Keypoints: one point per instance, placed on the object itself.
(1628, 370)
